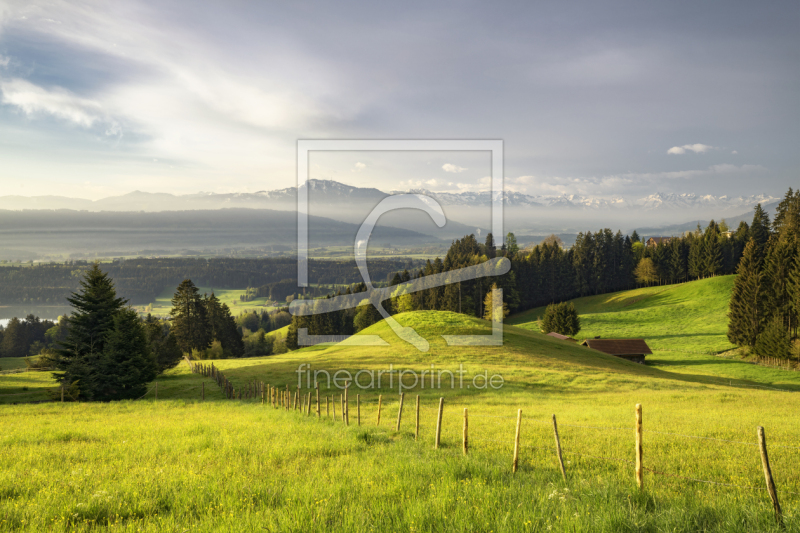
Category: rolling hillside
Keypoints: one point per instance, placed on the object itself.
(690, 317)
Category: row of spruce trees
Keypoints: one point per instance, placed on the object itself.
(110, 353)
(765, 304)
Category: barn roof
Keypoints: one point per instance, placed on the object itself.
(560, 337)
(619, 346)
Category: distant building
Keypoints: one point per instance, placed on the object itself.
(630, 349)
(560, 337)
(655, 241)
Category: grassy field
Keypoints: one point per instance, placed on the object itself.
(179, 463)
(690, 317)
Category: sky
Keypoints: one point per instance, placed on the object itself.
(591, 98)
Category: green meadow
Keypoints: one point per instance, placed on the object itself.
(181, 463)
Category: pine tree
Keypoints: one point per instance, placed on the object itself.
(95, 306)
(189, 318)
(759, 231)
(776, 269)
(13, 343)
(747, 305)
(794, 292)
(712, 251)
(223, 327)
(774, 341)
(126, 365)
(489, 246)
(695, 263)
(511, 245)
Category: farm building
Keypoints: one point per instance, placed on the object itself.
(630, 349)
(655, 241)
(560, 337)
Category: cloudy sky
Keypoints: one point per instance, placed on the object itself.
(599, 98)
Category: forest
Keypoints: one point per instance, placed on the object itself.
(141, 280)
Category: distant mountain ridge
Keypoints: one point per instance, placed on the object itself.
(329, 192)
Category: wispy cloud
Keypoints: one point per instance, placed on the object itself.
(449, 167)
(696, 148)
(359, 166)
(58, 102)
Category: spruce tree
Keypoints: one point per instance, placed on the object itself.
(223, 327)
(95, 306)
(695, 263)
(794, 293)
(777, 267)
(746, 310)
(162, 343)
(189, 318)
(126, 365)
(712, 252)
(774, 341)
(759, 231)
(561, 318)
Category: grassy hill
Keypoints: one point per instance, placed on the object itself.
(179, 463)
(690, 317)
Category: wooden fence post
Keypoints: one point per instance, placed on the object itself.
(466, 443)
(327, 408)
(358, 408)
(438, 425)
(639, 472)
(308, 404)
(516, 442)
(316, 387)
(400, 411)
(334, 408)
(287, 396)
(341, 404)
(380, 403)
(773, 492)
(416, 429)
(558, 449)
(346, 406)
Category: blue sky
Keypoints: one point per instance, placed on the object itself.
(595, 98)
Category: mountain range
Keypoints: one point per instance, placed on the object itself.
(335, 193)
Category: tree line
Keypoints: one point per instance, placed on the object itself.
(764, 309)
(547, 273)
(140, 281)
